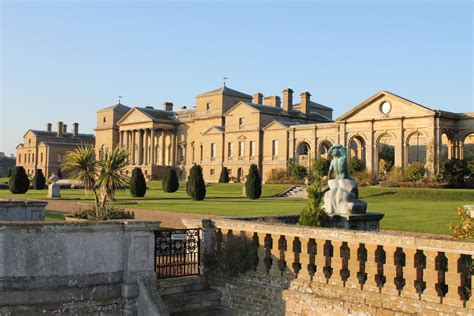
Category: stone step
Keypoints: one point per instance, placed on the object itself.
(181, 284)
(219, 311)
(192, 301)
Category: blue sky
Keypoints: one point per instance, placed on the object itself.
(63, 60)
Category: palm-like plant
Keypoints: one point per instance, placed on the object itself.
(110, 178)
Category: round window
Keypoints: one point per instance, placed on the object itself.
(385, 107)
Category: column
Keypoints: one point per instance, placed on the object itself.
(132, 150)
(152, 144)
(146, 150)
(121, 139)
(140, 147)
(173, 148)
(163, 148)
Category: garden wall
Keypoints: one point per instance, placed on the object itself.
(81, 267)
(22, 210)
(310, 271)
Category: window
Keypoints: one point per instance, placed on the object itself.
(60, 157)
(230, 150)
(41, 157)
(241, 149)
(29, 141)
(104, 120)
(252, 148)
(274, 148)
(29, 156)
(213, 151)
(229, 171)
(241, 122)
(32, 157)
(19, 158)
(208, 106)
(201, 153)
(212, 172)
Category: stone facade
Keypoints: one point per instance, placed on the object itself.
(22, 210)
(313, 271)
(46, 150)
(228, 128)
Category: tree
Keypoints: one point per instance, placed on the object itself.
(354, 165)
(170, 182)
(39, 181)
(313, 214)
(19, 182)
(137, 183)
(224, 177)
(454, 171)
(110, 177)
(195, 186)
(321, 168)
(9, 173)
(253, 186)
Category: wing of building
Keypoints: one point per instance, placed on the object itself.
(228, 128)
(45, 149)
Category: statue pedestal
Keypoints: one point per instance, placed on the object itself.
(367, 221)
(54, 190)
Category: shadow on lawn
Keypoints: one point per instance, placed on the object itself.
(379, 194)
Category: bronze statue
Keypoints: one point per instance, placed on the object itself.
(338, 163)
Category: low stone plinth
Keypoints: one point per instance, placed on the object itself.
(367, 221)
(22, 210)
(469, 209)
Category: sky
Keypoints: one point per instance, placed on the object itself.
(64, 60)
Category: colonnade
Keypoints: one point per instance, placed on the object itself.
(149, 146)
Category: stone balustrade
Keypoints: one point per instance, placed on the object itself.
(395, 269)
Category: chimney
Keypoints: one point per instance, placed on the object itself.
(272, 101)
(168, 106)
(305, 101)
(64, 128)
(49, 127)
(60, 129)
(257, 98)
(75, 129)
(287, 99)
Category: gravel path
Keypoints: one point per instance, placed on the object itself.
(168, 219)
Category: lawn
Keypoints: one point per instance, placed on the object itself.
(423, 210)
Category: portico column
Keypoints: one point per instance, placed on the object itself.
(140, 147)
(132, 149)
(173, 148)
(163, 148)
(121, 139)
(146, 160)
(152, 145)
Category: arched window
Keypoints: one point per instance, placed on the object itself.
(416, 148)
(468, 147)
(357, 148)
(385, 154)
(446, 148)
(323, 150)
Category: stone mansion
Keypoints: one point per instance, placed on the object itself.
(228, 128)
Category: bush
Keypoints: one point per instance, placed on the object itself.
(19, 182)
(170, 182)
(39, 181)
(455, 171)
(313, 214)
(236, 256)
(393, 178)
(253, 185)
(415, 172)
(354, 165)
(295, 171)
(277, 175)
(107, 212)
(195, 186)
(384, 168)
(137, 183)
(321, 168)
(464, 230)
(363, 178)
(224, 177)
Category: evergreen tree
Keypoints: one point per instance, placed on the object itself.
(19, 182)
(313, 214)
(195, 186)
(137, 183)
(60, 173)
(224, 177)
(253, 186)
(39, 181)
(170, 182)
(9, 173)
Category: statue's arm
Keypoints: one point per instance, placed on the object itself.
(331, 169)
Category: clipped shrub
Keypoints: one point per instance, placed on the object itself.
(137, 183)
(19, 182)
(393, 178)
(236, 255)
(455, 171)
(224, 177)
(313, 214)
(363, 178)
(320, 168)
(195, 186)
(415, 172)
(277, 175)
(39, 181)
(354, 165)
(170, 183)
(108, 212)
(465, 229)
(253, 186)
(9, 173)
(295, 171)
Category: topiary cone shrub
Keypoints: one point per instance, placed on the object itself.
(137, 183)
(195, 186)
(170, 182)
(19, 182)
(224, 177)
(39, 181)
(253, 186)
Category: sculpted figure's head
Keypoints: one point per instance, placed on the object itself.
(335, 152)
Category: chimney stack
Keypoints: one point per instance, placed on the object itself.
(272, 101)
(257, 98)
(60, 129)
(75, 129)
(64, 128)
(305, 101)
(168, 106)
(49, 127)
(287, 99)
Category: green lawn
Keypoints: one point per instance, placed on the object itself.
(423, 210)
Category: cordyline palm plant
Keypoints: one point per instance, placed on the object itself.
(100, 177)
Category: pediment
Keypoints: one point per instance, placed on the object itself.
(372, 108)
(275, 125)
(134, 116)
(213, 130)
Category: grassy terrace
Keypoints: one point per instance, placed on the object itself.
(422, 210)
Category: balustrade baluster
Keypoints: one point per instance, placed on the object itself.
(290, 256)
(353, 266)
(371, 269)
(430, 276)
(320, 261)
(336, 263)
(275, 255)
(390, 272)
(261, 268)
(409, 274)
(453, 280)
(304, 259)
